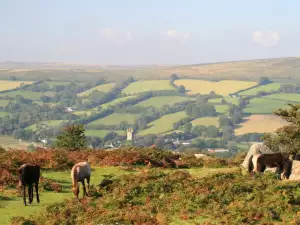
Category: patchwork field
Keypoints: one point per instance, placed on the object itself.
(160, 101)
(8, 85)
(222, 109)
(102, 88)
(206, 121)
(50, 123)
(55, 83)
(9, 142)
(4, 114)
(115, 102)
(3, 102)
(224, 87)
(147, 85)
(265, 88)
(264, 106)
(102, 133)
(26, 94)
(260, 124)
(81, 113)
(234, 101)
(114, 119)
(163, 124)
(284, 97)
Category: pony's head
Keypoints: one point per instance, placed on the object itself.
(75, 189)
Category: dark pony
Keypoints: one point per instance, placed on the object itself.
(296, 157)
(29, 174)
(279, 160)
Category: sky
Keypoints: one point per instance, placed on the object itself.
(130, 32)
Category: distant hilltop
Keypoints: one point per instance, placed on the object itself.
(282, 68)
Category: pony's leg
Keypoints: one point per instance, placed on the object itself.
(88, 183)
(29, 193)
(37, 192)
(24, 194)
(84, 189)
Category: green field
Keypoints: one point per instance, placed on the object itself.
(49, 123)
(163, 124)
(102, 133)
(160, 101)
(87, 112)
(284, 97)
(234, 101)
(114, 119)
(55, 83)
(8, 85)
(26, 94)
(102, 88)
(206, 121)
(115, 102)
(265, 88)
(15, 207)
(264, 106)
(4, 114)
(147, 85)
(3, 102)
(222, 109)
(223, 87)
(9, 142)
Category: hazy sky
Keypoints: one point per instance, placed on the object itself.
(148, 31)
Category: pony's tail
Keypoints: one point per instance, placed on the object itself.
(250, 164)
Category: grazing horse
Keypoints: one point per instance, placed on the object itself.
(29, 174)
(79, 172)
(259, 162)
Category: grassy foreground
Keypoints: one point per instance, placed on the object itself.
(161, 196)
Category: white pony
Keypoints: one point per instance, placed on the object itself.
(79, 172)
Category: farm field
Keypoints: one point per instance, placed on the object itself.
(9, 142)
(115, 102)
(284, 97)
(6, 85)
(114, 119)
(81, 113)
(4, 114)
(224, 87)
(264, 106)
(206, 121)
(265, 88)
(49, 123)
(260, 124)
(222, 109)
(15, 207)
(234, 101)
(3, 102)
(102, 133)
(147, 85)
(55, 83)
(160, 101)
(163, 124)
(102, 88)
(26, 94)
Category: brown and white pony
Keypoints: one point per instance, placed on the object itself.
(79, 173)
(29, 174)
(259, 163)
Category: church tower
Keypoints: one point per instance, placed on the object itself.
(129, 134)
